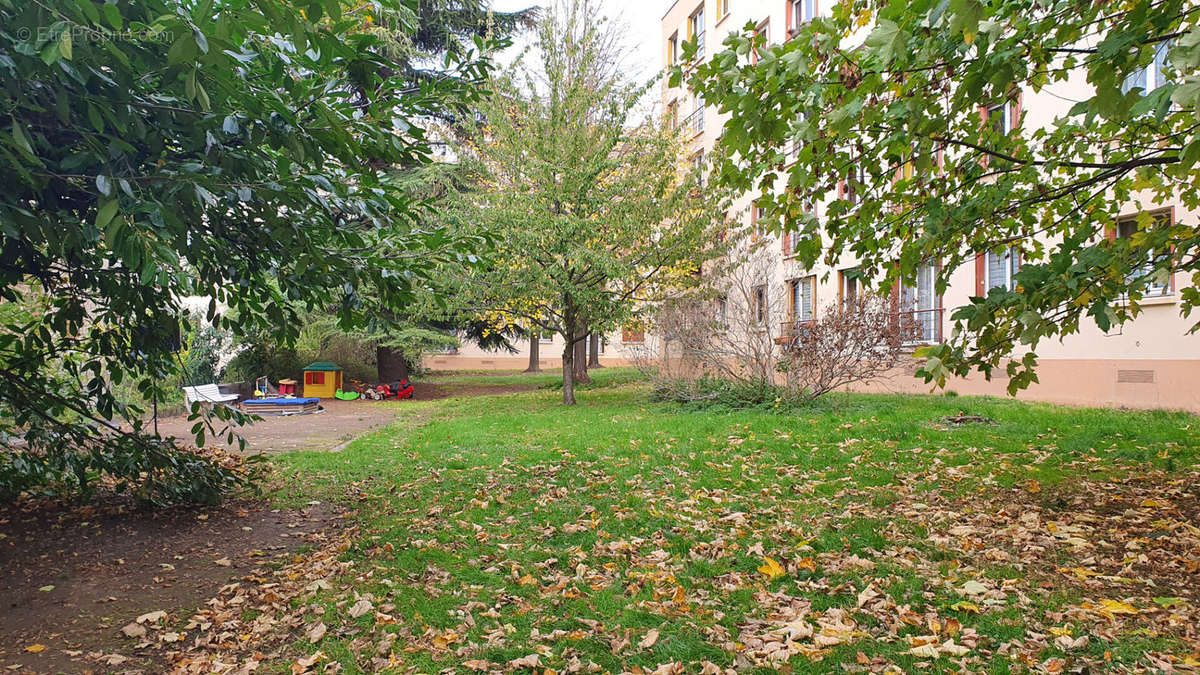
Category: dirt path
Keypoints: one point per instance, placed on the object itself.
(72, 579)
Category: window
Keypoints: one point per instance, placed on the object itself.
(848, 287)
(760, 304)
(852, 187)
(545, 338)
(311, 377)
(999, 118)
(695, 31)
(919, 303)
(1001, 268)
(673, 49)
(723, 311)
(800, 12)
(1152, 76)
(632, 335)
(787, 240)
(673, 115)
(803, 293)
(1126, 229)
(758, 219)
(722, 9)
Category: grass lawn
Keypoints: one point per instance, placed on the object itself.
(505, 532)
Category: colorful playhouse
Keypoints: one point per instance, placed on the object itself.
(322, 379)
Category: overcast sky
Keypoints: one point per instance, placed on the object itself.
(639, 18)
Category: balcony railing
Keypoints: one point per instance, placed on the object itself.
(922, 326)
(917, 327)
(694, 123)
(790, 330)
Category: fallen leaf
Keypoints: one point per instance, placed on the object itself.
(134, 630)
(361, 607)
(316, 632)
(973, 587)
(152, 617)
(771, 568)
(46, 589)
(223, 562)
(648, 641)
(35, 648)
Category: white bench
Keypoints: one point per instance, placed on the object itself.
(206, 393)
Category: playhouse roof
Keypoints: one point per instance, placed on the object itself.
(323, 365)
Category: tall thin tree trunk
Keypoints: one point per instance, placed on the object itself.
(594, 351)
(581, 359)
(568, 368)
(535, 365)
(391, 364)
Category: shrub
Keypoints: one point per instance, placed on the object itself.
(154, 472)
(722, 345)
(858, 341)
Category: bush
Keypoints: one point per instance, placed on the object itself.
(202, 347)
(710, 392)
(261, 358)
(153, 472)
(721, 345)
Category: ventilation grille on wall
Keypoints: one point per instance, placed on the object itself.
(1135, 376)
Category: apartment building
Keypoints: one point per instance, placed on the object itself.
(1150, 362)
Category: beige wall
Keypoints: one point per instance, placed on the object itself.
(470, 356)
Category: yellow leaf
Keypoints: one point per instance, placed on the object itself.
(1114, 607)
(33, 649)
(964, 606)
(771, 568)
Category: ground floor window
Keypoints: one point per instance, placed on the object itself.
(920, 305)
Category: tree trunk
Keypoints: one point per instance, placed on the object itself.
(391, 364)
(581, 360)
(568, 368)
(594, 351)
(534, 347)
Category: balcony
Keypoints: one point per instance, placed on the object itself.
(694, 123)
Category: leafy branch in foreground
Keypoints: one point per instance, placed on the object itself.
(927, 123)
(156, 150)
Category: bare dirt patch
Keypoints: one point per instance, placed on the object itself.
(74, 577)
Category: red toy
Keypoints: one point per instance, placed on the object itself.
(397, 390)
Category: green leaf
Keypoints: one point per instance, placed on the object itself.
(104, 185)
(183, 49)
(112, 14)
(21, 138)
(885, 41)
(108, 209)
(64, 44)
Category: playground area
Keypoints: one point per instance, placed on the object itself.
(339, 422)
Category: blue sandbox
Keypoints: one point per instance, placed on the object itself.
(285, 401)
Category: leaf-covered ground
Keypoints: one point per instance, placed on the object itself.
(508, 533)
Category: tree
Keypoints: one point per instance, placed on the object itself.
(155, 151)
(593, 217)
(901, 118)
